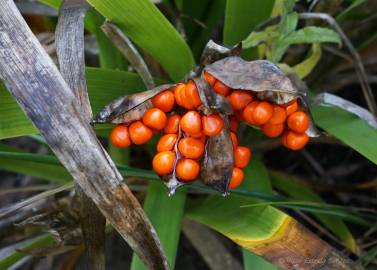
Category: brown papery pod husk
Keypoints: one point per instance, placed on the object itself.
(260, 76)
(211, 101)
(127, 109)
(217, 163)
(171, 181)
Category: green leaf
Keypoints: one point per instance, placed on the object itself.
(44, 169)
(149, 29)
(254, 39)
(304, 68)
(297, 190)
(344, 14)
(312, 34)
(43, 241)
(348, 128)
(165, 213)
(288, 24)
(256, 178)
(241, 18)
(103, 86)
(52, 3)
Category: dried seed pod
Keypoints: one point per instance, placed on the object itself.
(130, 108)
(217, 163)
(259, 76)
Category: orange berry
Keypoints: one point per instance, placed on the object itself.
(163, 162)
(209, 78)
(179, 88)
(234, 139)
(262, 113)
(221, 88)
(192, 95)
(166, 142)
(155, 118)
(248, 112)
(191, 148)
(237, 178)
(120, 137)
(172, 125)
(298, 122)
(140, 133)
(294, 141)
(187, 170)
(191, 122)
(272, 131)
(212, 124)
(239, 116)
(239, 99)
(291, 107)
(242, 156)
(164, 101)
(278, 116)
(233, 124)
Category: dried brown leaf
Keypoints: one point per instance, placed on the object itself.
(130, 108)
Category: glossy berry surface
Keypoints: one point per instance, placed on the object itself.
(221, 88)
(212, 125)
(298, 122)
(248, 112)
(278, 116)
(139, 133)
(233, 124)
(155, 118)
(178, 91)
(163, 162)
(262, 113)
(187, 170)
(167, 142)
(209, 78)
(238, 99)
(191, 122)
(291, 107)
(120, 136)
(234, 139)
(294, 141)
(237, 178)
(192, 95)
(164, 101)
(272, 131)
(191, 147)
(172, 125)
(242, 156)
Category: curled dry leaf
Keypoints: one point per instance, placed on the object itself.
(259, 76)
(214, 52)
(217, 163)
(130, 108)
(212, 102)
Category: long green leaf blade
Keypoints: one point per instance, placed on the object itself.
(165, 213)
(348, 128)
(150, 30)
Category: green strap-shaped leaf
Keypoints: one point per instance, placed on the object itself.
(241, 18)
(348, 128)
(149, 29)
(165, 213)
(103, 87)
(304, 68)
(296, 190)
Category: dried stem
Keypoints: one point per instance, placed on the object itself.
(35, 82)
(125, 46)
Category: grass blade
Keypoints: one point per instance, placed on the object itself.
(149, 29)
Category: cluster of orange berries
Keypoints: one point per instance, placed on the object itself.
(274, 120)
(182, 144)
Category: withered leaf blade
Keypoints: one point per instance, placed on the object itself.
(217, 163)
(211, 100)
(259, 76)
(214, 52)
(130, 108)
